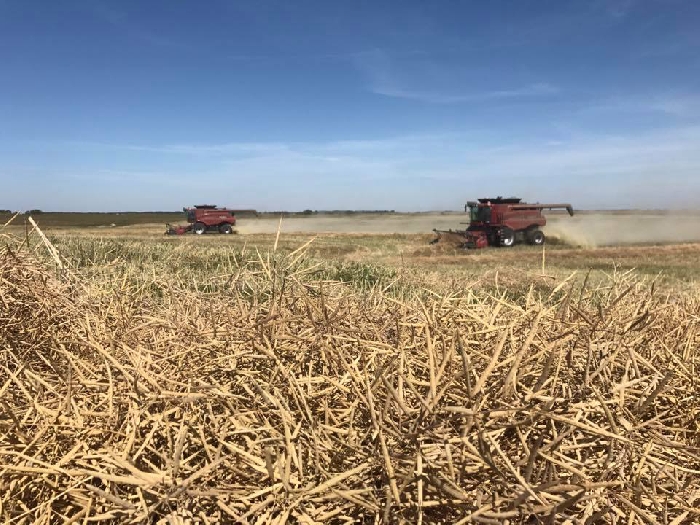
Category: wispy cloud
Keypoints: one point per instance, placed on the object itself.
(619, 8)
(193, 149)
(533, 90)
(678, 43)
(681, 105)
(120, 20)
(232, 149)
(382, 77)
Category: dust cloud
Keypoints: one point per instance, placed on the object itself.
(585, 229)
(617, 229)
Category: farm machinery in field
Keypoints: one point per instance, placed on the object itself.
(501, 222)
(203, 218)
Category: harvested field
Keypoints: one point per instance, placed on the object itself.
(586, 228)
(277, 386)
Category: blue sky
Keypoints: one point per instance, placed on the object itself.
(406, 105)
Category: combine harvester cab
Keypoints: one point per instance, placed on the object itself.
(502, 222)
(203, 218)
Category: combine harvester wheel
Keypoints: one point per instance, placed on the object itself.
(537, 238)
(507, 237)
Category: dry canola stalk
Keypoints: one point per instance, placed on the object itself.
(308, 402)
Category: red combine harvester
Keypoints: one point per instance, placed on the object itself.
(203, 218)
(502, 222)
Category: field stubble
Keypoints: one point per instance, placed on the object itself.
(158, 380)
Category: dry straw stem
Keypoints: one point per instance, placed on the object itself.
(289, 399)
(47, 243)
(9, 221)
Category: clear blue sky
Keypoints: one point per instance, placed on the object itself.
(406, 105)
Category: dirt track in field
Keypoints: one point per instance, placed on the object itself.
(583, 230)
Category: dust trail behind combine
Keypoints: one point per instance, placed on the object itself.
(613, 229)
(583, 229)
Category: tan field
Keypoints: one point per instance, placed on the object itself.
(342, 372)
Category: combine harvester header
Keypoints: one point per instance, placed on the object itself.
(502, 222)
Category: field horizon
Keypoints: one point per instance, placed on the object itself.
(584, 229)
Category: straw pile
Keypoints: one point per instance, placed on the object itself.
(288, 399)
